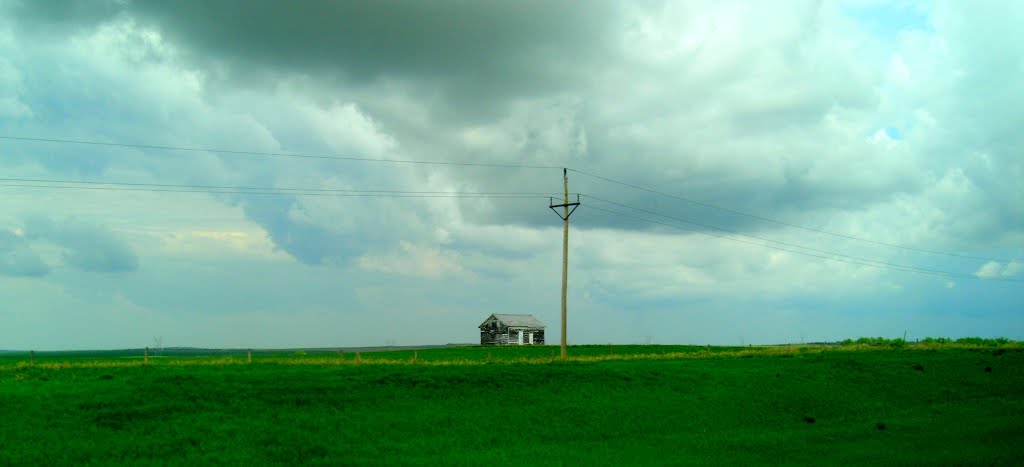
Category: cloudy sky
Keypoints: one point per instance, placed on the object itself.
(793, 160)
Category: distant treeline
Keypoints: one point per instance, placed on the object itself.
(881, 341)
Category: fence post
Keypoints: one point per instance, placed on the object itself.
(145, 356)
(341, 356)
(31, 358)
(248, 354)
(359, 358)
(489, 357)
(415, 356)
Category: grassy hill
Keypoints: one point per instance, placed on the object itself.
(644, 404)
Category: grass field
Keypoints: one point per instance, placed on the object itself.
(936, 404)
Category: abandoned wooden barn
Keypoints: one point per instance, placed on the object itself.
(511, 330)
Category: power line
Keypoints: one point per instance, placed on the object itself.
(788, 224)
(29, 182)
(708, 226)
(353, 193)
(276, 154)
(494, 165)
(423, 194)
(228, 189)
(840, 259)
(279, 193)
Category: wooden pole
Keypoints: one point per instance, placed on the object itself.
(415, 355)
(565, 254)
(359, 359)
(566, 212)
(248, 354)
(31, 358)
(145, 356)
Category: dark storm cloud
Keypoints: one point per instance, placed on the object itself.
(465, 49)
(62, 15)
(85, 247)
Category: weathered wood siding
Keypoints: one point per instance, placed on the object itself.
(495, 333)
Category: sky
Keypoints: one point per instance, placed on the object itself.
(750, 172)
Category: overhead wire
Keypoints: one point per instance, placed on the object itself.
(184, 188)
(833, 258)
(475, 164)
(218, 189)
(277, 154)
(787, 224)
(279, 193)
(734, 232)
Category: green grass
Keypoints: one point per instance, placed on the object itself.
(619, 405)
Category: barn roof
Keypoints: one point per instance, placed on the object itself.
(524, 321)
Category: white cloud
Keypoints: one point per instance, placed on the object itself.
(347, 130)
(993, 269)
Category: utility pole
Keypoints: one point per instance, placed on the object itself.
(566, 212)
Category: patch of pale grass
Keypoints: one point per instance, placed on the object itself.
(325, 361)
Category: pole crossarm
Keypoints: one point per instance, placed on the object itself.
(575, 205)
